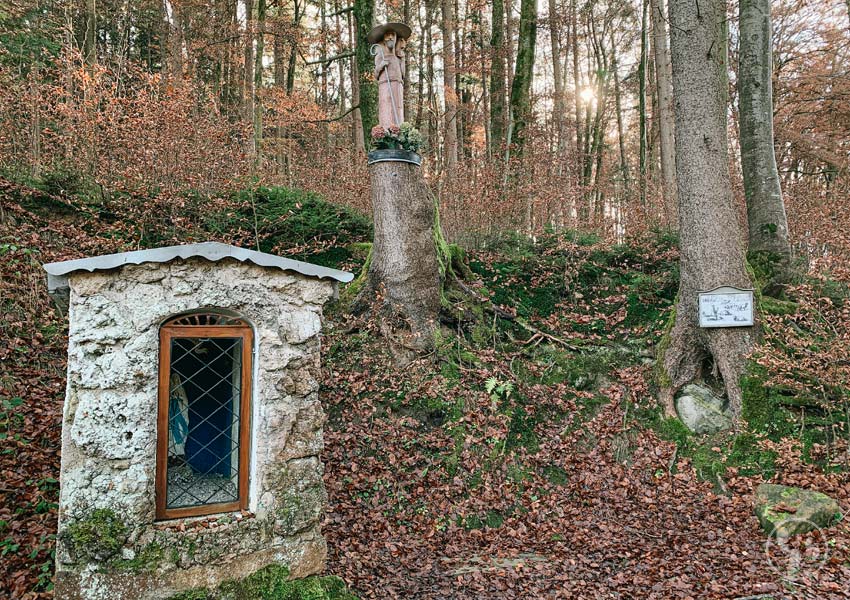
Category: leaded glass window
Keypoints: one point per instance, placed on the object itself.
(204, 414)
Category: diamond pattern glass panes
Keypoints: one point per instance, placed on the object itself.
(203, 421)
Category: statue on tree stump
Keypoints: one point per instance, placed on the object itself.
(402, 277)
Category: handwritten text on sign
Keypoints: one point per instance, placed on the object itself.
(726, 307)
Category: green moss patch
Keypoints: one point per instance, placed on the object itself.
(96, 537)
(273, 583)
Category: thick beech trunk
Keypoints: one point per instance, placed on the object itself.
(404, 271)
(664, 89)
(711, 252)
(768, 224)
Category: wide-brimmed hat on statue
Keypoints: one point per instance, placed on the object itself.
(377, 34)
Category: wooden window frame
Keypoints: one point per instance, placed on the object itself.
(167, 333)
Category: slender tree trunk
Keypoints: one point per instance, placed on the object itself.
(624, 164)
(768, 224)
(425, 28)
(642, 124)
(279, 53)
(559, 109)
(368, 97)
(497, 77)
(576, 83)
(258, 78)
(485, 96)
(711, 252)
(433, 125)
(248, 68)
(509, 45)
(90, 39)
(520, 107)
(449, 90)
(406, 83)
(357, 117)
(461, 90)
(664, 88)
(293, 47)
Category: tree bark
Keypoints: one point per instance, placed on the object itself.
(248, 69)
(403, 271)
(357, 132)
(497, 77)
(520, 107)
(449, 91)
(642, 129)
(293, 48)
(576, 85)
(559, 108)
(664, 89)
(258, 78)
(711, 251)
(618, 105)
(90, 39)
(368, 90)
(768, 224)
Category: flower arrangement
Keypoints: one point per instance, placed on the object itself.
(405, 137)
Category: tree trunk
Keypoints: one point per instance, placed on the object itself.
(368, 90)
(357, 131)
(408, 95)
(576, 84)
(293, 48)
(558, 109)
(248, 70)
(618, 105)
(664, 87)
(258, 78)
(520, 107)
(711, 252)
(768, 224)
(449, 90)
(497, 77)
(403, 269)
(90, 39)
(642, 130)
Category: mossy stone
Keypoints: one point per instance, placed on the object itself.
(99, 536)
(809, 509)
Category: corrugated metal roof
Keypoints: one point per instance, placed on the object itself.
(57, 273)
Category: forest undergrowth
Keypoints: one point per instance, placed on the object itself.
(526, 457)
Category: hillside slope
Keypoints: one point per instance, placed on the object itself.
(525, 458)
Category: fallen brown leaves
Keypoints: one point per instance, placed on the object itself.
(432, 503)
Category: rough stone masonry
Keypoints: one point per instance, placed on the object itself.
(109, 545)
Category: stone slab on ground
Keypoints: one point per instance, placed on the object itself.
(784, 511)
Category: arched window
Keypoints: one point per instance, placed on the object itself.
(203, 425)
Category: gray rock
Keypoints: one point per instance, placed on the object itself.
(702, 411)
(784, 511)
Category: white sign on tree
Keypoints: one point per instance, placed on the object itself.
(726, 307)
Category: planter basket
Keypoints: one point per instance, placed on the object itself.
(394, 155)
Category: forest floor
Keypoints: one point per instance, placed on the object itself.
(505, 464)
